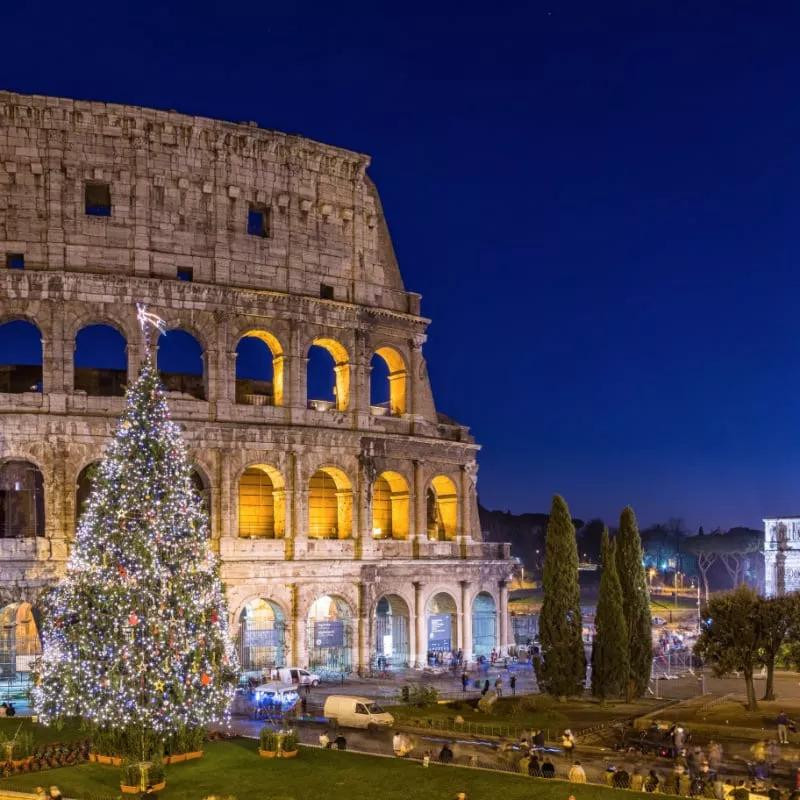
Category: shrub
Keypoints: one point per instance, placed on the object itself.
(268, 739)
(129, 774)
(418, 694)
(156, 773)
(289, 742)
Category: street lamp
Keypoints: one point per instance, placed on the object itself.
(651, 573)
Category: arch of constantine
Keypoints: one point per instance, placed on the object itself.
(343, 506)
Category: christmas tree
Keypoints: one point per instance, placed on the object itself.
(135, 635)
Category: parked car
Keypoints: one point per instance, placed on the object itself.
(659, 621)
(295, 675)
(356, 712)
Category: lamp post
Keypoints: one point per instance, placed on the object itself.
(677, 575)
(651, 573)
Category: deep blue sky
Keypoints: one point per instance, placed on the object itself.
(598, 201)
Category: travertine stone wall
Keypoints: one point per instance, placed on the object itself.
(180, 191)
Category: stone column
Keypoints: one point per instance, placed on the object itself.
(420, 639)
(227, 502)
(299, 652)
(362, 656)
(412, 390)
(465, 506)
(503, 617)
(466, 620)
(420, 507)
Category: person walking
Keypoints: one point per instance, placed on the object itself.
(538, 739)
(783, 727)
(568, 743)
(464, 681)
(577, 773)
(485, 688)
(512, 682)
(498, 686)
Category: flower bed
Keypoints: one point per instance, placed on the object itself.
(50, 756)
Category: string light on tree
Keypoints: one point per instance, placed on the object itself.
(135, 634)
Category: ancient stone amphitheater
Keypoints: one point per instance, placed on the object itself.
(343, 506)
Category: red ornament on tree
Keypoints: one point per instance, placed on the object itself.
(205, 679)
(214, 616)
(133, 620)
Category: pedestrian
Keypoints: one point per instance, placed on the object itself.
(534, 767)
(714, 755)
(548, 770)
(568, 743)
(652, 782)
(40, 793)
(513, 683)
(577, 773)
(621, 779)
(485, 688)
(775, 792)
(445, 755)
(461, 796)
(637, 780)
(55, 793)
(304, 705)
(783, 728)
(464, 681)
(149, 794)
(538, 739)
(498, 686)
(741, 792)
(525, 764)
(426, 758)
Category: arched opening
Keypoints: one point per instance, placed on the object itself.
(328, 376)
(259, 370)
(83, 488)
(484, 625)
(21, 500)
(330, 634)
(262, 636)
(100, 361)
(20, 645)
(202, 489)
(180, 363)
(388, 382)
(330, 505)
(262, 503)
(391, 644)
(390, 507)
(442, 503)
(20, 357)
(442, 629)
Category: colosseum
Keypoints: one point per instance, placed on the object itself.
(342, 504)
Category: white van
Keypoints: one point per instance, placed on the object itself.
(295, 675)
(356, 712)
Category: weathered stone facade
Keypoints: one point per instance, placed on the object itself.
(321, 272)
(781, 555)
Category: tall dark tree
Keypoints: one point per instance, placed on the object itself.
(732, 638)
(610, 649)
(562, 671)
(636, 603)
(779, 618)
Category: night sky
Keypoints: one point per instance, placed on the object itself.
(598, 201)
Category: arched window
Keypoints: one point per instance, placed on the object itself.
(442, 627)
(20, 645)
(259, 370)
(442, 502)
(180, 362)
(21, 500)
(328, 376)
(262, 636)
(262, 503)
(390, 507)
(20, 357)
(329, 634)
(484, 624)
(202, 490)
(330, 505)
(100, 361)
(83, 488)
(391, 645)
(388, 382)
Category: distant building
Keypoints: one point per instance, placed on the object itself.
(781, 555)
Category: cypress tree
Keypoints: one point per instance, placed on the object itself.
(636, 604)
(562, 671)
(610, 649)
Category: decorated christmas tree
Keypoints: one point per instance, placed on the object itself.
(135, 635)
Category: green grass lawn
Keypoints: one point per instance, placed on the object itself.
(234, 768)
(69, 732)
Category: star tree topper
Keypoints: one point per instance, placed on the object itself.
(149, 320)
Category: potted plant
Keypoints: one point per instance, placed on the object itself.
(156, 777)
(194, 743)
(289, 748)
(268, 743)
(130, 778)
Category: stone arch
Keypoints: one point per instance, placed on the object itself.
(20, 643)
(22, 507)
(341, 372)
(442, 509)
(262, 502)
(390, 506)
(330, 628)
(261, 634)
(330, 504)
(249, 389)
(395, 395)
(484, 624)
(391, 641)
(21, 356)
(441, 618)
(83, 487)
(123, 324)
(181, 362)
(202, 487)
(100, 360)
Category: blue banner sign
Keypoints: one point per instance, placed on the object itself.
(329, 634)
(439, 632)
